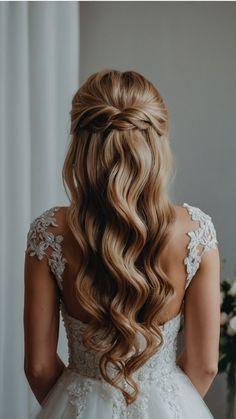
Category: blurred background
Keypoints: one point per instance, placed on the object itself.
(47, 49)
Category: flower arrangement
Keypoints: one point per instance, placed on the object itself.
(227, 349)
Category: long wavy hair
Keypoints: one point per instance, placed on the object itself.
(115, 174)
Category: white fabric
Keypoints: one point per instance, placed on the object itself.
(166, 392)
(39, 72)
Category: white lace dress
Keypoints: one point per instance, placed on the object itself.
(166, 392)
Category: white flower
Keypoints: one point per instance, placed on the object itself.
(232, 290)
(231, 330)
(224, 318)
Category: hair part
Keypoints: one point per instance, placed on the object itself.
(116, 170)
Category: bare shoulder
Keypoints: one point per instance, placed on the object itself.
(184, 222)
(61, 213)
(60, 217)
(181, 213)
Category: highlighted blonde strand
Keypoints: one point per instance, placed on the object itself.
(115, 173)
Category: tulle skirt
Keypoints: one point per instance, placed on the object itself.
(74, 396)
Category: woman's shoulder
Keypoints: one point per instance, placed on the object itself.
(195, 213)
(54, 215)
(197, 223)
(51, 220)
(192, 219)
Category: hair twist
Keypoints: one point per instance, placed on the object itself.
(120, 215)
(122, 121)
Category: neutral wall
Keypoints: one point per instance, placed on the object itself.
(187, 49)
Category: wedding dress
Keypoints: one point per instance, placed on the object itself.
(165, 391)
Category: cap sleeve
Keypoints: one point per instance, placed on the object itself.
(201, 240)
(42, 243)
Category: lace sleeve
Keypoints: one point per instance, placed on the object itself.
(43, 243)
(203, 238)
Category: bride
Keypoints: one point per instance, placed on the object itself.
(124, 266)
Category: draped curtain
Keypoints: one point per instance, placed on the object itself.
(39, 72)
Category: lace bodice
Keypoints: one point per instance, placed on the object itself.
(162, 365)
(158, 368)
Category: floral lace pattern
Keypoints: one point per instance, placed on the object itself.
(78, 394)
(205, 235)
(159, 370)
(39, 240)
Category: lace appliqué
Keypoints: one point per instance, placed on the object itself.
(78, 395)
(164, 374)
(205, 235)
(158, 370)
(39, 239)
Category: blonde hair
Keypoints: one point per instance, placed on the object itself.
(116, 171)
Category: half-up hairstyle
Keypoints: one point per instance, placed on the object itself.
(116, 171)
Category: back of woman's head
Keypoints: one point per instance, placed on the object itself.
(116, 170)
